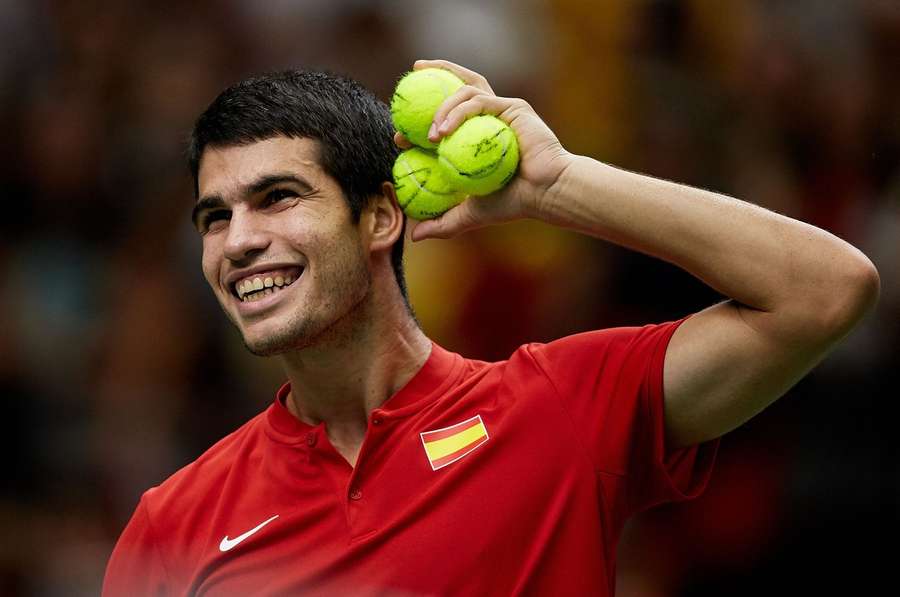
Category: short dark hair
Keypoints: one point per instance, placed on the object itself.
(352, 126)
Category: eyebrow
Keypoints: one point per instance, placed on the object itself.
(207, 203)
(210, 202)
(263, 182)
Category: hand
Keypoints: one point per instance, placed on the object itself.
(541, 157)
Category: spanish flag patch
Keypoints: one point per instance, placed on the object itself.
(449, 444)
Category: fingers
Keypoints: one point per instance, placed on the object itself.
(474, 212)
(479, 104)
(463, 94)
(402, 142)
(469, 77)
(455, 221)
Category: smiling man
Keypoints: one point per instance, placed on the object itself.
(388, 465)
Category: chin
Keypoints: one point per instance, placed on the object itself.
(266, 349)
(335, 324)
(275, 342)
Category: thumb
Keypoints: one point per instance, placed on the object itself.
(454, 221)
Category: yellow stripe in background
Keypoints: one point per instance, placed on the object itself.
(449, 445)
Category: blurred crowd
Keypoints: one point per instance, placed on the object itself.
(118, 368)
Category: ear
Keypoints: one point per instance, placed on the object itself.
(382, 219)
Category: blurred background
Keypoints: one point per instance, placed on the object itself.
(117, 368)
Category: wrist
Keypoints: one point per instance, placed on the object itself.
(547, 204)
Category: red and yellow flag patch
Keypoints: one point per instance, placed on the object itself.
(449, 444)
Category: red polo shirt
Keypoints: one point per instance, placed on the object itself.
(474, 479)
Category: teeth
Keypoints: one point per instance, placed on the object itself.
(248, 290)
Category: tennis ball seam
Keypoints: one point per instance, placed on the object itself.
(418, 187)
(410, 172)
(485, 170)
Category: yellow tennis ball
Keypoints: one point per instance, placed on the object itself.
(423, 190)
(480, 156)
(417, 97)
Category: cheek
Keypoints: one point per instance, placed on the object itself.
(209, 265)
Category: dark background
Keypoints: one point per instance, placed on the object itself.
(117, 368)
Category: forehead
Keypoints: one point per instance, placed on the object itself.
(224, 170)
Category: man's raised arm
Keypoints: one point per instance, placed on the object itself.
(795, 290)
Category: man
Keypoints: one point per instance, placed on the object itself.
(388, 465)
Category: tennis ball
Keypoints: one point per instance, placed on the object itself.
(423, 190)
(480, 156)
(417, 97)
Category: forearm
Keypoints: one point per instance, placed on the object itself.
(761, 259)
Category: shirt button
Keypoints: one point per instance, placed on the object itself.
(310, 439)
(355, 494)
(376, 421)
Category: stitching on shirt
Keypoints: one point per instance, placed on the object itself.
(656, 377)
(605, 509)
(562, 404)
(156, 548)
(363, 537)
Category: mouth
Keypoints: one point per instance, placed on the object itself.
(259, 285)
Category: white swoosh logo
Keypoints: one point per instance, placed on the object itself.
(227, 543)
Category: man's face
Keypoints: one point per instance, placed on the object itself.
(270, 216)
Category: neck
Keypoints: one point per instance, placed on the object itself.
(341, 379)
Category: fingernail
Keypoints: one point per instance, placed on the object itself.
(443, 127)
(432, 132)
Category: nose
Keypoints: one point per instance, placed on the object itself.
(246, 236)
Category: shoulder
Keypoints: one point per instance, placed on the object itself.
(597, 347)
(570, 353)
(192, 485)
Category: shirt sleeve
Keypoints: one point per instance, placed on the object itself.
(136, 567)
(610, 382)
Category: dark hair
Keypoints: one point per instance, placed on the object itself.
(352, 126)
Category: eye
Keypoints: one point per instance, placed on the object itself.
(209, 220)
(276, 195)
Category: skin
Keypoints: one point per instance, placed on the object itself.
(345, 313)
(796, 290)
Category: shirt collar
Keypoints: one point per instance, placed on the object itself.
(439, 372)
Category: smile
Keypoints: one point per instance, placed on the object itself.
(257, 286)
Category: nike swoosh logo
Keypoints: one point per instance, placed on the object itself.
(227, 543)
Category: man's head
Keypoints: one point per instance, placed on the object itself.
(291, 172)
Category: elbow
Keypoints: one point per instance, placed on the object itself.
(853, 296)
(870, 284)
